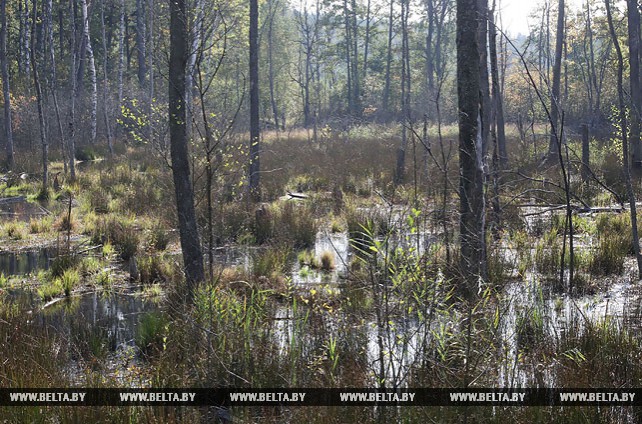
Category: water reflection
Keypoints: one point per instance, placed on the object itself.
(25, 262)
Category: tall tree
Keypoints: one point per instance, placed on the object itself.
(190, 244)
(471, 188)
(92, 69)
(105, 79)
(405, 93)
(254, 169)
(497, 102)
(6, 88)
(633, 14)
(625, 148)
(557, 77)
(41, 116)
(72, 91)
(52, 76)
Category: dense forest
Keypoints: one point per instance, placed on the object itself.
(382, 194)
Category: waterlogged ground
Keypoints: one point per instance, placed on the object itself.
(105, 324)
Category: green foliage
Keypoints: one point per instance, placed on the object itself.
(158, 237)
(614, 242)
(15, 230)
(62, 263)
(151, 333)
(70, 279)
(50, 289)
(548, 254)
(118, 231)
(154, 269)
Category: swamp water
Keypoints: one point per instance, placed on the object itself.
(106, 326)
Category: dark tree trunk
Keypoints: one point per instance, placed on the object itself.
(53, 80)
(557, 77)
(634, 79)
(6, 90)
(625, 148)
(254, 168)
(400, 171)
(190, 244)
(105, 79)
(497, 102)
(484, 86)
(41, 117)
(472, 260)
(72, 91)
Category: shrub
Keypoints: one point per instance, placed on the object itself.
(548, 254)
(154, 269)
(62, 263)
(151, 334)
(42, 225)
(158, 238)
(117, 231)
(15, 230)
(50, 289)
(70, 279)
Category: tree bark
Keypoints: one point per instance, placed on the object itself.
(472, 260)
(53, 82)
(92, 69)
(105, 79)
(190, 244)
(497, 101)
(121, 53)
(6, 89)
(72, 91)
(254, 168)
(41, 117)
(557, 74)
(625, 148)
(634, 79)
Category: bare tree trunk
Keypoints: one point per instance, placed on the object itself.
(72, 94)
(26, 38)
(150, 52)
(105, 87)
(195, 38)
(121, 53)
(270, 36)
(497, 102)
(405, 94)
(472, 260)
(557, 76)
(92, 69)
(41, 116)
(634, 79)
(484, 86)
(254, 169)
(386, 90)
(53, 81)
(6, 90)
(190, 244)
(141, 49)
(625, 147)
